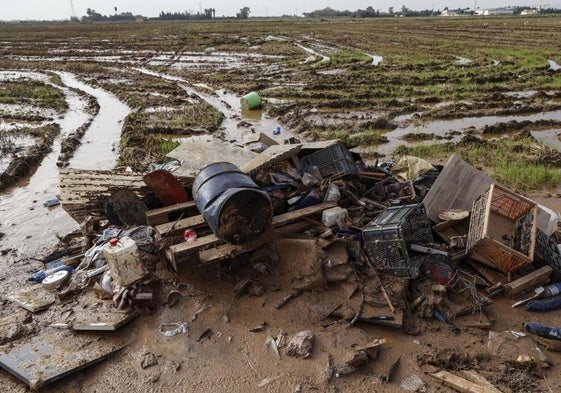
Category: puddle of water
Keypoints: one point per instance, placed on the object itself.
(95, 152)
(549, 138)
(324, 58)
(462, 60)
(336, 71)
(229, 105)
(252, 114)
(441, 127)
(520, 94)
(553, 65)
(376, 60)
(21, 208)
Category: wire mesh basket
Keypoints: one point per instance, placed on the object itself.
(332, 161)
(502, 229)
(547, 253)
(387, 239)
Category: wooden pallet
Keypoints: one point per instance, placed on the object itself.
(209, 249)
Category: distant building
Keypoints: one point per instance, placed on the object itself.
(456, 12)
(140, 19)
(496, 11)
(529, 11)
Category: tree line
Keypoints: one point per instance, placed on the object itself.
(209, 13)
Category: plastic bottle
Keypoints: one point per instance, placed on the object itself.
(548, 304)
(41, 274)
(545, 331)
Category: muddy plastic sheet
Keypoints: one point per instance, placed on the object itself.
(52, 355)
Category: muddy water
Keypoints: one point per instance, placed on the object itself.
(99, 145)
(21, 209)
(229, 105)
(442, 127)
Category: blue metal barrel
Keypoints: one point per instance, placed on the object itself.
(234, 207)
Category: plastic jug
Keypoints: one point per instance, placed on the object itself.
(124, 261)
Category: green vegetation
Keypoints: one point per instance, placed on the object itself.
(32, 93)
(521, 163)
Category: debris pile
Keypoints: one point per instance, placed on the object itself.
(393, 245)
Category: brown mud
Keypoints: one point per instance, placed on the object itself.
(200, 71)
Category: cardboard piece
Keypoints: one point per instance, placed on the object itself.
(199, 151)
(271, 156)
(33, 298)
(457, 187)
(101, 320)
(52, 355)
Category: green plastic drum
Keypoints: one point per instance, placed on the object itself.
(251, 101)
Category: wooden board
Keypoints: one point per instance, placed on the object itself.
(84, 191)
(101, 320)
(188, 251)
(177, 227)
(162, 215)
(461, 384)
(534, 279)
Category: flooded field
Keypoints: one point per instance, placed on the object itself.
(96, 96)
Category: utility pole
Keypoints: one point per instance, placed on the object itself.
(72, 9)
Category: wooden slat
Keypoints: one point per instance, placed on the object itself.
(460, 384)
(537, 277)
(160, 216)
(179, 252)
(289, 217)
(175, 227)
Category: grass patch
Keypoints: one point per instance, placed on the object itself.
(518, 163)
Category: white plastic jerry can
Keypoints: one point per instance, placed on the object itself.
(124, 261)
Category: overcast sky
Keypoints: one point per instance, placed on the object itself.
(62, 9)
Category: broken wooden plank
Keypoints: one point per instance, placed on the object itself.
(460, 384)
(287, 218)
(537, 277)
(160, 216)
(476, 320)
(102, 320)
(182, 252)
(84, 191)
(475, 377)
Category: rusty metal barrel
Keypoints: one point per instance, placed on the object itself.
(234, 207)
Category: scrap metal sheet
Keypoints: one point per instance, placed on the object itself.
(52, 355)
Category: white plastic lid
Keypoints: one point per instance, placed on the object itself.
(55, 280)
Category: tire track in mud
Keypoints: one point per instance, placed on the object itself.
(31, 228)
(229, 105)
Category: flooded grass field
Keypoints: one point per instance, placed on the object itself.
(95, 96)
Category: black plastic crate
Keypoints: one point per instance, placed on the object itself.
(388, 237)
(332, 161)
(547, 253)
